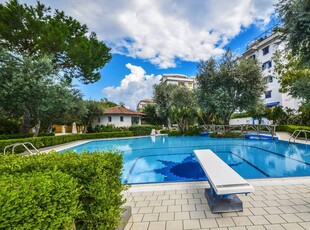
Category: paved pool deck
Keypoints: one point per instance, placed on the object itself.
(276, 204)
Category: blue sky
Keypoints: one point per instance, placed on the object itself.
(114, 72)
(154, 37)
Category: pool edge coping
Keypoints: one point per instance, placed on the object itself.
(204, 184)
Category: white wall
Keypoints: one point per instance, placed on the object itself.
(241, 121)
(104, 120)
(249, 121)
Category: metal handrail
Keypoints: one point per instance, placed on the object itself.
(243, 128)
(299, 131)
(24, 144)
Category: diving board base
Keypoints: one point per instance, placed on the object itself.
(223, 204)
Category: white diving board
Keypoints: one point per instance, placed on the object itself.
(224, 181)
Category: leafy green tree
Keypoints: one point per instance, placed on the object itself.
(206, 79)
(228, 85)
(293, 66)
(183, 108)
(258, 111)
(294, 77)
(65, 107)
(296, 27)
(32, 90)
(37, 32)
(151, 116)
(95, 108)
(163, 98)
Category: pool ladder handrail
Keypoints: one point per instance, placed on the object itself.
(24, 144)
(298, 131)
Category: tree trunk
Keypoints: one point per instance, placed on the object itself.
(168, 123)
(26, 122)
(37, 128)
(50, 128)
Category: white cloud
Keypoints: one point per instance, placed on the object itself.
(163, 30)
(136, 86)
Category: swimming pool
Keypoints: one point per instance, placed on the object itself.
(171, 159)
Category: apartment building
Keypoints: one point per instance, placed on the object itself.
(143, 103)
(178, 79)
(263, 48)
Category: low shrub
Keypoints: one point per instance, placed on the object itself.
(291, 128)
(23, 135)
(40, 142)
(226, 135)
(98, 177)
(141, 130)
(40, 200)
(15, 136)
(107, 128)
(240, 115)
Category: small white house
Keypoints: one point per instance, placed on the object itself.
(118, 116)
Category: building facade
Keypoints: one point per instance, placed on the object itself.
(143, 103)
(178, 79)
(118, 116)
(263, 49)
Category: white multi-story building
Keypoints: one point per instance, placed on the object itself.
(263, 48)
(178, 79)
(143, 103)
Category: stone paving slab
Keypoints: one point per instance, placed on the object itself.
(274, 207)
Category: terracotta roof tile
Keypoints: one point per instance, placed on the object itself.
(121, 110)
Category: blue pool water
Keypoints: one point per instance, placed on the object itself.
(171, 159)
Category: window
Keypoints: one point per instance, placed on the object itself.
(109, 119)
(253, 56)
(121, 119)
(182, 84)
(266, 65)
(266, 50)
(269, 79)
(190, 85)
(268, 94)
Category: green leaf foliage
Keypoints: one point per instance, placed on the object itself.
(96, 178)
(228, 85)
(141, 130)
(45, 141)
(37, 31)
(37, 199)
(295, 17)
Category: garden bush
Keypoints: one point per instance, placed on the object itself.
(291, 128)
(98, 177)
(23, 135)
(108, 128)
(40, 200)
(40, 142)
(141, 130)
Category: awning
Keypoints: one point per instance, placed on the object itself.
(271, 104)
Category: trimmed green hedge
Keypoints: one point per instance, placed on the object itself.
(40, 200)
(141, 130)
(290, 128)
(95, 176)
(41, 142)
(23, 135)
